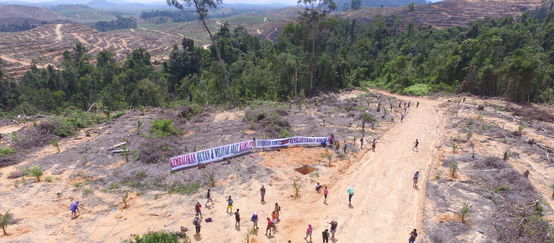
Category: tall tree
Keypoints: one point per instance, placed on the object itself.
(314, 13)
(202, 7)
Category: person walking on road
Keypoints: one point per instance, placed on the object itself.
(198, 209)
(416, 178)
(277, 210)
(373, 145)
(350, 195)
(325, 235)
(254, 220)
(237, 218)
(262, 193)
(416, 145)
(229, 205)
(270, 226)
(334, 225)
(413, 236)
(209, 198)
(309, 232)
(325, 193)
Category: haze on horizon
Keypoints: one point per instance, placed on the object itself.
(289, 2)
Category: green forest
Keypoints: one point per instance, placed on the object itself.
(508, 57)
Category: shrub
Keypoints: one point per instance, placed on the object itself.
(74, 120)
(156, 237)
(163, 128)
(465, 211)
(417, 90)
(34, 171)
(6, 151)
(273, 123)
(5, 220)
(48, 179)
(453, 168)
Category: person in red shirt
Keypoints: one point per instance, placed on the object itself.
(269, 226)
(198, 209)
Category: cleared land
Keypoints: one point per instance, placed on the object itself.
(384, 206)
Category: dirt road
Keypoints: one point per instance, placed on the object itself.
(385, 207)
(59, 36)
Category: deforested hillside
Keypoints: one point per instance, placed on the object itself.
(45, 45)
(451, 13)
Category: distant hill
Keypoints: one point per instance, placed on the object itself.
(345, 4)
(20, 11)
(19, 17)
(82, 13)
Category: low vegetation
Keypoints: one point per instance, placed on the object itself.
(34, 171)
(5, 220)
(155, 237)
(163, 128)
(6, 151)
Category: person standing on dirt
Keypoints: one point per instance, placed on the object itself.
(237, 218)
(229, 205)
(337, 146)
(309, 232)
(373, 145)
(416, 145)
(417, 104)
(74, 207)
(198, 209)
(277, 210)
(209, 198)
(254, 220)
(196, 222)
(402, 117)
(334, 225)
(413, 236)
(274, 217)
(325, 193)
(416, 178)
(362, 142)
(325, 235)
(262, 193)
(269, 226)
(350, 192)
(344, 148)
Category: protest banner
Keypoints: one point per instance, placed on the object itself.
(210, 155)
(230, 150)
(272, 143)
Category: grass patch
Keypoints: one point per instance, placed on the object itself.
(6, 151)
(184, 189)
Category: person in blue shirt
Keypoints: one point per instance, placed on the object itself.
(74, 209)
(254, 220)
(350, 195)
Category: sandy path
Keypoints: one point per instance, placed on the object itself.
(385, 207)
(58, 30)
